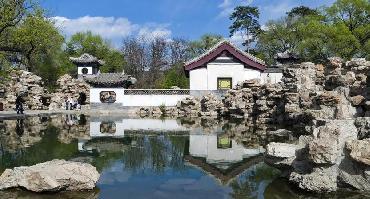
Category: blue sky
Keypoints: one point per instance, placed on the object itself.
(189, 19)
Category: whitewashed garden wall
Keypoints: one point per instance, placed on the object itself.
(140, 97)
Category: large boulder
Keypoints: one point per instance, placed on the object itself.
(321, 180)
(329, 140)
(52, 176)
(359, 150)
(281, 150)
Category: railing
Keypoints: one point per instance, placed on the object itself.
(157, 92)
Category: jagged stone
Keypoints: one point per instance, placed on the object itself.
(321, 180)
(359, 150)
(52, 176)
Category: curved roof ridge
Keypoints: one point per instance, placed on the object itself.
(250, 56)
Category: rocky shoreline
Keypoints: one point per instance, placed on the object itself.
(326, 107)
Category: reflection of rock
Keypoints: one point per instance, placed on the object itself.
(56, 175)
(20, 194)
(22, 133)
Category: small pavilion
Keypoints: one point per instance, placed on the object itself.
(87, 65)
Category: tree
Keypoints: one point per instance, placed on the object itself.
(245, 20)
(11, 12)
(134, 52)
(35, 38)
(278, 37)
(173, 77)
(157, 59)
(205, 43)
(315, 35)
(355, 14)
(178, 51)
(302, 11)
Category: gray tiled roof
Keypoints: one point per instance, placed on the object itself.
(86, 59)
(110, 80)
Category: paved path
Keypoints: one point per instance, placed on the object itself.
(30, 113)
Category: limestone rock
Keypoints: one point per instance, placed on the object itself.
(323, 151)
(357, 100)
(52, 176)
(363, 126)
(321, 180)
(281, 150)
(359, 150)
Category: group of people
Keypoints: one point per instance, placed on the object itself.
(71, 104)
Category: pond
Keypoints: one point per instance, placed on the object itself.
(148, 158)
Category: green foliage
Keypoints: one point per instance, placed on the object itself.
(38, 39)
(206, 42)
(342, 29)
(245, 20)
(174, 77)
(302, 11)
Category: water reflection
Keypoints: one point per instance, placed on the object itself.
(146, 158)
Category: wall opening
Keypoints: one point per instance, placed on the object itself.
(108, 97)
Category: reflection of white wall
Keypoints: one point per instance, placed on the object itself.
(206, 146)
(95, 130)
(136, 124)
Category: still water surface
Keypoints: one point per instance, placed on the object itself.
(146, 158)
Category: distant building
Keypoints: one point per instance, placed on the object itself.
(224, 66)
(87, 65)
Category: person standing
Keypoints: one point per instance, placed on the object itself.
(66, 102)
(19, 104)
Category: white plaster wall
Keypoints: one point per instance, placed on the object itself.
(151, 100)
(136, 100)
(206, 78)
(198, 79)
(90, 70)
(271, 78)
(95, 94)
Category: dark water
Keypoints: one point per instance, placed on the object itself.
(140, 158)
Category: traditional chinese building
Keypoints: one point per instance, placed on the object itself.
(224, 66)
(87, 65)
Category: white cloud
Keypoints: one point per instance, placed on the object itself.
(238, 38)
(227, 6)
(150, 31)
(111, 28)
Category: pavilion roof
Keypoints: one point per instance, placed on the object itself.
(86, 59)
(225, 176)
(107, 80)
(246, 58)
